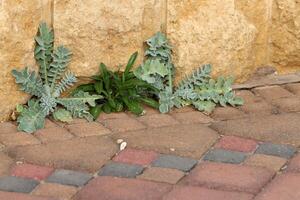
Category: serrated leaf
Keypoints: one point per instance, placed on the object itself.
(62, 115)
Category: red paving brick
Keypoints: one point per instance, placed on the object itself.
(229, 177)
(17, 196)
(294, 164)
(272, 92)
(7, 127)
(199, 193)
(234, 143)
(31, 171)
(191, 117)
(226, 113)
(134, 156)
(158, 120)
(109, 188)
(283, 187)
(123, 124)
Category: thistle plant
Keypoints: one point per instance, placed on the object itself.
(47, 86)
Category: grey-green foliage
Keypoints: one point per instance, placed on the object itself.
(158, 69)
(203, 92)
(47, 86)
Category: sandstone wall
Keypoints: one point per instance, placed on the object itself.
(236, 36)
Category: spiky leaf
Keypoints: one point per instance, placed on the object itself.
(66, 82)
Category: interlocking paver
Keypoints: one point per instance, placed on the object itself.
(283, 128)
(31, 171)
(5, 164)
(270, 162)
(17, 184)
(191, 117)
(105, 116)
(294, 164)
(225, 156)
(272, 92)
(294, 88)
(86, 154)
(226, 113)
(283, 187)
(234, 143)
(175, 162)
(291, 104)
(7, 127)
(229, 177)
(135, 156)
(19, 196)
(50, 124)
(248, 96)
(183, 140)
(284, 151)
(164, 175)
(197, 193)
(69, 177)
(158, 120)
(53, 134)
(123, 124)
(61, 192)
(121, 170)
(18, 139)
(110, 188)
(88, 129)
(260, 108)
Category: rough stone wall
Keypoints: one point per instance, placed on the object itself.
(236, 36)
(18, 22)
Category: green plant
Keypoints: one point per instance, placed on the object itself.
(47, 86)
(121, 90)
(204, 93)
(158, 69)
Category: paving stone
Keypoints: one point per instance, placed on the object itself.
(121, 170)
(86, 154)
(50, 124)
(283, 187)
(197, 193)
(18, 139)
(5, 164)
(259, 108)
(88, 129)
(182, 140)
(16, 184)
(269, 162)
(284, 151)
(184, 109)
(272, 92)
(229, 177)
(135, 156)
(191, 117)
(31, 171)
(57, 191)
(294, 164)
(164, 175)
(105, 116)
(234, 143)
(19, 196)
(291, 104)
(175, 162)
(53, 134)
(110, 188)
(150, 110)
(225, 156)
(69, 177)
(282, 129)
(7, 127)
(123, 124)
(158, 120)
(226, 113)
(294, 88)
(248, 96)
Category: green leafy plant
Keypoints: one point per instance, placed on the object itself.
(47, 86)
(158, 69)
(121, 90)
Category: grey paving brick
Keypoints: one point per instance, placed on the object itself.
(16, 184)
(225, 156)
(279, 150)
(69, 177)
(121, 170)
(175, 162)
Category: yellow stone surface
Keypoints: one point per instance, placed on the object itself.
(18, 21)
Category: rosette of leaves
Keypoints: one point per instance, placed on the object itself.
(204, 93)
(158, 69)
(47, 86)
(120, 91)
